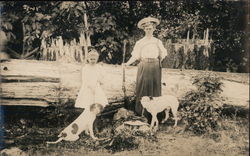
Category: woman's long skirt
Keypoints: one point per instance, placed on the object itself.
(148, 81)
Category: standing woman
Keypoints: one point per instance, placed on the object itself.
(150, 52)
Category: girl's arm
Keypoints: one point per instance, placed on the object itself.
(101, 78)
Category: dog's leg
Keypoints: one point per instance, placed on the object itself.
(174, 111)
(86, 132)
(95, 125)
(153, 121)
(156, 123)
(91, 132)
(166, 116)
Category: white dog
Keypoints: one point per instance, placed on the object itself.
(84, 122)
(155, 105)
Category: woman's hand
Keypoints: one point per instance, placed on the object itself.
(123, 88)
(130, 61)
(124, 64)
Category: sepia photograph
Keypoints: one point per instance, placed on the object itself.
(124, 78)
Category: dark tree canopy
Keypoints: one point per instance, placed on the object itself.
(26, 23)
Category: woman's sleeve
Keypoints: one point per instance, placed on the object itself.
(136, 51)
(163, 50)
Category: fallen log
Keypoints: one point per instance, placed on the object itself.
(48, 83)
(24, 78)
(51, 83)
(233, 111)
(57, 83)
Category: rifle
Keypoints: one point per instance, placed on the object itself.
(123, 72)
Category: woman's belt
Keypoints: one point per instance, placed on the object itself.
(149, 59)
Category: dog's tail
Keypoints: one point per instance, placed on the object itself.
(61, 136)
(55, 142)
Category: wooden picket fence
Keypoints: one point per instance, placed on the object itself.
(183, 53)
(57, 49)
(190, 53)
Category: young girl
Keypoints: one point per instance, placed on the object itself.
(91, 91)
(91, 97)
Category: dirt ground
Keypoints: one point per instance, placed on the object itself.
(29, 130)
(30, 136)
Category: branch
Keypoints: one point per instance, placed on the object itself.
(87, 7)
(30, 53)
(23, 37)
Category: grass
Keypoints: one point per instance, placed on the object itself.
(231, 139)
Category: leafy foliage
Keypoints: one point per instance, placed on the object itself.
(113, 21)
(201, 108)
(129, 139)
(124, 141)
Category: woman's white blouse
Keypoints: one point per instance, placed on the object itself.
(149, 48)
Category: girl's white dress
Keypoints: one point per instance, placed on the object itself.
(91, 91)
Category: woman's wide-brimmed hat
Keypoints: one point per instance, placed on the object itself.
(148, 21)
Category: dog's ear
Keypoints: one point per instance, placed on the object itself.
(96, 106)
(151, 98)
(100, 107)
(93, 107)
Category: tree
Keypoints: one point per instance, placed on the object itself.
(113, 21)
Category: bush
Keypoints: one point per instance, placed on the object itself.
(124, 141)
(126, 137)
(201, 108)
